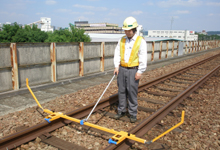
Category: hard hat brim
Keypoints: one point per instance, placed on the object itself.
(127, 28)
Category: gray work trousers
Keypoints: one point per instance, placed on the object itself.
(127, 88)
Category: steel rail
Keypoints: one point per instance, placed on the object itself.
(26, 135)
(152, 120)
(169, 75)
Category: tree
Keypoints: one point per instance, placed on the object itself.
(74, 35)
(78, 35)
(30, 34)
(59, 36)
(15, 33)
(8, 32)
(208, 37)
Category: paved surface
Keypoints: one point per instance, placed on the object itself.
(12, 101)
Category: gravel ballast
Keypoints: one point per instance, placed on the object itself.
(200, 130)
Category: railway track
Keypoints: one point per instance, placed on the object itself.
(157, 99)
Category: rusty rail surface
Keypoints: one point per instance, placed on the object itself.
(31, 133)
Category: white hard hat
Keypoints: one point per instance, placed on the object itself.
(129, 23)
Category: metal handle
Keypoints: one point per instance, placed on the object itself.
(99, 99)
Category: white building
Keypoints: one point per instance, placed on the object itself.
(107, 28)
(185, 35)
(140, 30)
(8, 23)
(104, 37)
(203, 32)
(45, 24)
(1, 25)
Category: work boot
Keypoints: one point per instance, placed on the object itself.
(119, 115)
(133, 119)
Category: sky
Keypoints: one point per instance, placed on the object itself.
(194, 15)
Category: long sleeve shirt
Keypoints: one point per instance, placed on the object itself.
(142, 53)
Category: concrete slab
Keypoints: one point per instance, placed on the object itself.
(78, 86)
(81, 84)
(17, 101)
(42, 96)
(60, 90)
(12, 104)
(102, 79)
(5, 108)
(20, 102)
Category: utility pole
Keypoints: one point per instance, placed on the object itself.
(171, 23)
(171, 28)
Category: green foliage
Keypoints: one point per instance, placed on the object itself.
(78, 35)
(59, 36)
(32, 34)
(213, 32)
(75, 35)
(16, 33)
(208, 37)
(8, 32)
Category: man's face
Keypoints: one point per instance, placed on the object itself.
(129, 33)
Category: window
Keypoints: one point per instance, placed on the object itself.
(154, 31)
(161, 36)
(166, 36)
(149, 35)
(175, 31)
(174, 36)
(158, 36)
(153, 36)
(166, 32)
(158, 31)
(179, 36)
(162, 31)
(171, 31)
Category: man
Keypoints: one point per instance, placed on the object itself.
(130, 60)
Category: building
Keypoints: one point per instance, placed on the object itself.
(1, 26)
(8, 23)
(44, 24)
(99, 27)
(203, 32)
(185, 35)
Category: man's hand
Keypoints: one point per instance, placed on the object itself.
(137, 76)
(116, 71)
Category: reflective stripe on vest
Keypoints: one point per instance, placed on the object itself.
(133, 60)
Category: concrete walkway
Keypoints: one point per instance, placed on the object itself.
(12, 101)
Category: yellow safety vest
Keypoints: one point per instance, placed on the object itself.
(133, 60)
